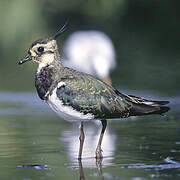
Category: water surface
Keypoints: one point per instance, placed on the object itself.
(36, 144)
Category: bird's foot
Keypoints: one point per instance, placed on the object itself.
(99, 153)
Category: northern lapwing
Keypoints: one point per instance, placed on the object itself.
(76, 95)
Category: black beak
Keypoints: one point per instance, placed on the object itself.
(25, 59)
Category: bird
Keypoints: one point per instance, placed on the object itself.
(78, 96)
(92, 52)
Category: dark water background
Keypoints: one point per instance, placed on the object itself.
(36, 144)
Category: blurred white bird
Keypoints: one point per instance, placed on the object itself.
(91, 52)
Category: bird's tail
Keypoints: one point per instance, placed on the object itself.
(143, 106)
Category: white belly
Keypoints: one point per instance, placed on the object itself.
(66, 112)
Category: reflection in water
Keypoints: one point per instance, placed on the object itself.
(81, 170)
(92, 131)
(36, 166)
(29, 142)
(99, 169)
(170, 164)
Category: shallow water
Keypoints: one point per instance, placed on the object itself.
(36, 144)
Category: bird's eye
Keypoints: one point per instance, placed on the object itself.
(40, 49)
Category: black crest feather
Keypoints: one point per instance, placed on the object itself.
(59, 32)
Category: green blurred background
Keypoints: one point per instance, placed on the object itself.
(145, 35)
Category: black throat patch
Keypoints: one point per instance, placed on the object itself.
(43, 81)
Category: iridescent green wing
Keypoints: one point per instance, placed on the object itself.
(89, 95)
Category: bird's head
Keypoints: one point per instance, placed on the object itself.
(44, 51)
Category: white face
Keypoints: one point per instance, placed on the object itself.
(43, 53)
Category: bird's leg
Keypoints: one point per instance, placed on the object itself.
(98, 149)
(81, 139)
